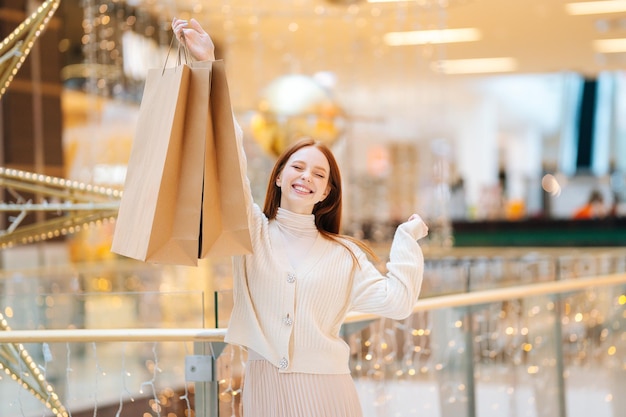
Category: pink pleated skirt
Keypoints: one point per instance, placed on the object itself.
(268, 393)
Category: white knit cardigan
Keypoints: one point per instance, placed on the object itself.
(292, 317)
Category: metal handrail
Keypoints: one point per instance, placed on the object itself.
(217, 335)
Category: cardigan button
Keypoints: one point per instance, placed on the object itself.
(283, 363)
(288, 321)
(291, 278)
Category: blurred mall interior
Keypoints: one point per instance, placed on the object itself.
(496, 120)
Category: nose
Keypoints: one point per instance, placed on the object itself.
(306, 176)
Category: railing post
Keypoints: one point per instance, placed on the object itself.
(558, 330)
(469, 350)
(469, 365)
(201, 369)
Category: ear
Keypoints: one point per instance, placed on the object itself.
(278, 181)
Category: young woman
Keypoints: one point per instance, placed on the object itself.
(293, 293)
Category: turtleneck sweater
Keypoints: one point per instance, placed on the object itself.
(298, 232)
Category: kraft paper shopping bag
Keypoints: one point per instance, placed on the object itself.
(184, 195)
(158, 218)
(225, 227)
(194, 173)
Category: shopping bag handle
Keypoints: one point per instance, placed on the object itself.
(182, 52)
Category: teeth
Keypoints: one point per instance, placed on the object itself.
(300, 188)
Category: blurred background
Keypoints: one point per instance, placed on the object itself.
(502, 122)
(465, 110)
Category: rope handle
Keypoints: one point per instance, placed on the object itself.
(182, 52)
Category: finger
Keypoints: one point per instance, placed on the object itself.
(178, 29)
(177, 22)
(196, 25)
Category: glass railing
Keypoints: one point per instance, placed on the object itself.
(85, 375)
(532, 334)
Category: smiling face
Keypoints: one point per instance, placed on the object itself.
(304, 180)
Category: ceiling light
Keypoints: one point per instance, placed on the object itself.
(596, 7)
(424, 37)
(607, 46)
(422, 3)
(474, 66)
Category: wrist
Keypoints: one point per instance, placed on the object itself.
(206, 56)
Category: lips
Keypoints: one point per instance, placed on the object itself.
(302, 189)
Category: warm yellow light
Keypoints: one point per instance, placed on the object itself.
(474, 66)
(596, 7)
(435, 36)
(607, 46)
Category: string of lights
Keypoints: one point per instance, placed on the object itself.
(77, 204)
(15, 48)
(21, 368)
